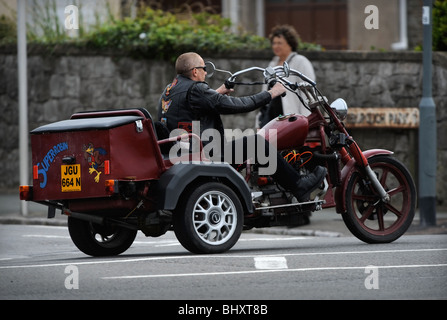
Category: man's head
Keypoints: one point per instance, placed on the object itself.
(191, 65)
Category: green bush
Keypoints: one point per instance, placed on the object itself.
(153, 33)
(159, 34)
(8, 30)
(440, 25)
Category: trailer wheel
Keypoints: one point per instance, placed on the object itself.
(100, 240)
(209, 219)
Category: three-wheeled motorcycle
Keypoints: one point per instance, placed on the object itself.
(113, 173)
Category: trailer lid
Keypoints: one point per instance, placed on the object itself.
(86, 124)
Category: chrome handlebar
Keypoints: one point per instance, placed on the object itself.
(270, 74)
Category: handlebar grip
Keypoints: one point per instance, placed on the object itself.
(229, 84)
(271, 83)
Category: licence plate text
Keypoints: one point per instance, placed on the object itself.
(71, 177)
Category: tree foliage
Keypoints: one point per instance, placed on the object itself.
(440, 25)
(160, 34)
(152, 33)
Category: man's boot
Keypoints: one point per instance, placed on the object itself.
(309, 183)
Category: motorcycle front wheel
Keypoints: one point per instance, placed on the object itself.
(367, 216)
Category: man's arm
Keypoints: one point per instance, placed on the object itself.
(203, 98)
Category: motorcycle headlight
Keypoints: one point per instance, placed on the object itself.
(341, 108)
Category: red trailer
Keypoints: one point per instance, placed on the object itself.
(106, 171)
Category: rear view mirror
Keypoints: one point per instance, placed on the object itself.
(210, 69)
(286, 69)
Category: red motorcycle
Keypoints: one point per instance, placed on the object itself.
(374, 192)
(113, 173)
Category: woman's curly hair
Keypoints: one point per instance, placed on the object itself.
(288, 32)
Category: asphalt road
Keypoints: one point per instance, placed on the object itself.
(40, 262)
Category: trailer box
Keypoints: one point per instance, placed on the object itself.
(73, 158)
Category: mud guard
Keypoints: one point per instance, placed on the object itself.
(175, 180)
(346, 173)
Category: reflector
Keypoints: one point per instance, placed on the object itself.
(26, 193)
(35, 172)
(110, 186)
(107, 167)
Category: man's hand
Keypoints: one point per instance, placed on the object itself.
(277, 90)
(223, 90)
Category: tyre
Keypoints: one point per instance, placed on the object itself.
(209, 219)
(367, 216)
(100, 240)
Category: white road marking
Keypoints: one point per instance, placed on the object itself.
(47, 236)
(173, 275)
(269, 263)
(172, 242)
(276, 239)
(226, 256)
(168, 245)
(3, 259)
(60, 228)
(160, 242)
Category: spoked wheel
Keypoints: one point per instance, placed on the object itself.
(209, 219)
(100, 240)
(367, 216)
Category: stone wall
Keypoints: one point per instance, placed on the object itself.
(60, 84)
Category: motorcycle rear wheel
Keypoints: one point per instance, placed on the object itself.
(209, 219)
(367, 216)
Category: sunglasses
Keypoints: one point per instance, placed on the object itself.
(204, 68)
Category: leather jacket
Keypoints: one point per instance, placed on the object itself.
(185, 100)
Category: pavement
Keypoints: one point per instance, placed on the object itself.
(324, 223)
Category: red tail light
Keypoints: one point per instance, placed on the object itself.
(35, 172)
(107, 167)
(262, 181)
(111, 187)
(26, 193)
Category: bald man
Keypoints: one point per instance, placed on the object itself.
(189, 98)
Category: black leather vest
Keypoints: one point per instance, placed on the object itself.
(174, 109)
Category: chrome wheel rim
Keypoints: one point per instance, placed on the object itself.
(214, 217)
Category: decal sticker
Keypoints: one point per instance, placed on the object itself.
(187, 126)
(172, 85)
(48, 160)
(165, 104)
(94, 157)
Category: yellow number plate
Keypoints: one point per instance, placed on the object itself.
(71, 177)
